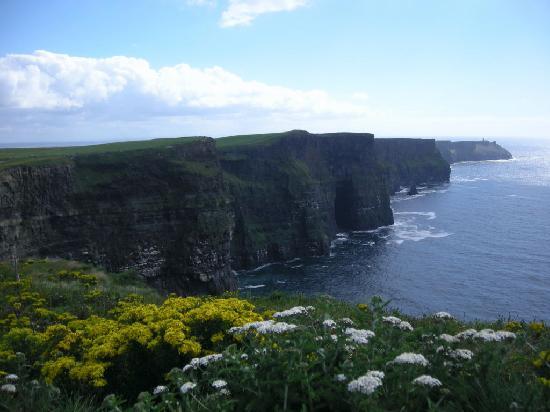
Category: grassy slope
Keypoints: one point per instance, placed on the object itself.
(297, 370)
(46, 155)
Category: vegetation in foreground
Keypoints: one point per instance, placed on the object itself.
(73, 338)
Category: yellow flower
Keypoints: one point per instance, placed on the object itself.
(512, 326)
(363, 306)
(536, 327)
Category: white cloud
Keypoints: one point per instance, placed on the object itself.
(242, 12)
(48, 90)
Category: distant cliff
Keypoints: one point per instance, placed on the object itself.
(185, 212)
(454, 152)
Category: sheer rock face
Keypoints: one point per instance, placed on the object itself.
(454, 152)
(292, 196)
(184, 215)
(164, 213)
(407, 161)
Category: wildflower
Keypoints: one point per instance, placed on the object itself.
(443, 315)
(264, 327)
(160, 389)
(536, 327)
(448, 338)
(363, 306)
(296, 310)
(368, 383)
(401, 324)
(427, 380)
(219, 383)
(310, 308)
(411, 358)
(329, 323)
(461, 354)
(347, 321)
(202, 362)
(318, 338)
(334, 338)
(467, 334)
(512, 326)
(544, 381)
(225, 392)
(244, 356)
(186, 387)
(340, 378)
(11, 377)
(9, 388)
(359, 335)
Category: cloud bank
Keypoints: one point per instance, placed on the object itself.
(46, 89)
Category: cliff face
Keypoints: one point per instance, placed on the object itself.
(455, 152)
(164, 213)
(409, 162)
(183, 212)
(293, 194)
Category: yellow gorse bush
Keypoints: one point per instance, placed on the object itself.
(83, 350)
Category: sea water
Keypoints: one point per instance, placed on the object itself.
(478, 247)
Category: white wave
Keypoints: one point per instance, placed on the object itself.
(428, 215)
(262, 267)
(297, 267)
(342, 235)
(254, 286)
(282, 282)
(416, 235)
(467, 179)
(398, 241)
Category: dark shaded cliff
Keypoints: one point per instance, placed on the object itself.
(409, 162)
(184, 212)
(159, 211)
(293, 192)
(454, 152)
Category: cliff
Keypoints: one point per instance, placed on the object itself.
(161, 211)
(454, 152)
(184, 212)
(408, 162)
(293, 192)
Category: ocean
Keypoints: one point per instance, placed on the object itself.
(477, 247)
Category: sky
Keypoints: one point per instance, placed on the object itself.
(98, 70)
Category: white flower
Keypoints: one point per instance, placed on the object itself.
(244, 356)
(359, 335)
(329, 323)
(443, 315)
(367, 384)
(11, 377)
(411, 358)
(225, 392)
(448, 338)
(202, 362)
(340, 378)
(347, 321)
(219, 383)
(264, 327)
(160, 389)
(9, 388)
(310, 308)
(186, 387)
(401, 324)
(487, 335)
(334, 338)
(318, 338)
(461, 354)
(427, 380)
(296, 310)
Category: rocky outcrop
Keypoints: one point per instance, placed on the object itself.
(454, 152)
(184, 212)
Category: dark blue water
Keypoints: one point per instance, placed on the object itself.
(478, 247)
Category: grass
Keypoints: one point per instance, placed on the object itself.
(297, 370)
(50, 155)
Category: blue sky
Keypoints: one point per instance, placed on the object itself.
(474, 68)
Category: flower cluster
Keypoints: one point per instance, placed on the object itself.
(368, 383)
(263, 327)
(411, 358)
(401, 324)
(360, 336)
(443, 315)
(296, 310)
(427, 380)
